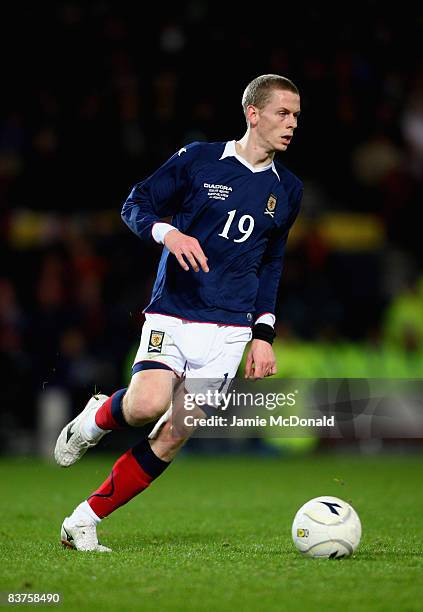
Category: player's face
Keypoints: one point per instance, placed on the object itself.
(277, 120)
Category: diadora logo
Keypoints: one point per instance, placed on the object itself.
(217, 192)
(224, 187)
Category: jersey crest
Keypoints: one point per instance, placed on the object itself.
(271, 205)
(155, 342)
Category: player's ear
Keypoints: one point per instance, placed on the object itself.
(252, 115)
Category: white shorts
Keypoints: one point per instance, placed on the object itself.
(198, 350)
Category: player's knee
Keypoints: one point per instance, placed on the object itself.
(169, 442)
(143, 408)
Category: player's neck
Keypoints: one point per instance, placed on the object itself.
(253, 153)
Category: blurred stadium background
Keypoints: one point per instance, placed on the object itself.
(100, 94)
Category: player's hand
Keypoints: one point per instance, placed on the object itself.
(186, 249)
(261, 360)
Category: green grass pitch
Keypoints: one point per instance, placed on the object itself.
(214, 534)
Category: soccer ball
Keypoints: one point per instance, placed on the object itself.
(326, 527)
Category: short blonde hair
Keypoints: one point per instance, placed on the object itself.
(258, 92)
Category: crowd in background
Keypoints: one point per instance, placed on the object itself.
(101, 94)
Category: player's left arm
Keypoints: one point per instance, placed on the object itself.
(261, 360)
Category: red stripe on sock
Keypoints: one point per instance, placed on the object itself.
(104, 417)
(126, 480)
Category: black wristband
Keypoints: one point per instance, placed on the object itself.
(261, 331)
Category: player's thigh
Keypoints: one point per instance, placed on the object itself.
(222, 364)
(232, 347)
(149, 393)
(225, 356)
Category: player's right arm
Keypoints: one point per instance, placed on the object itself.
(186, 248)
(161, 195)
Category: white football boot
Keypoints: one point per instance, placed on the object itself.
(81, 537)
(71, 443)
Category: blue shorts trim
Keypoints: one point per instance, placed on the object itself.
(149, 365)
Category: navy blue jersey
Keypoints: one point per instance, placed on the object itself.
(241, 217)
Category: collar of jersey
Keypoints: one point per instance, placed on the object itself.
(230, 151)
